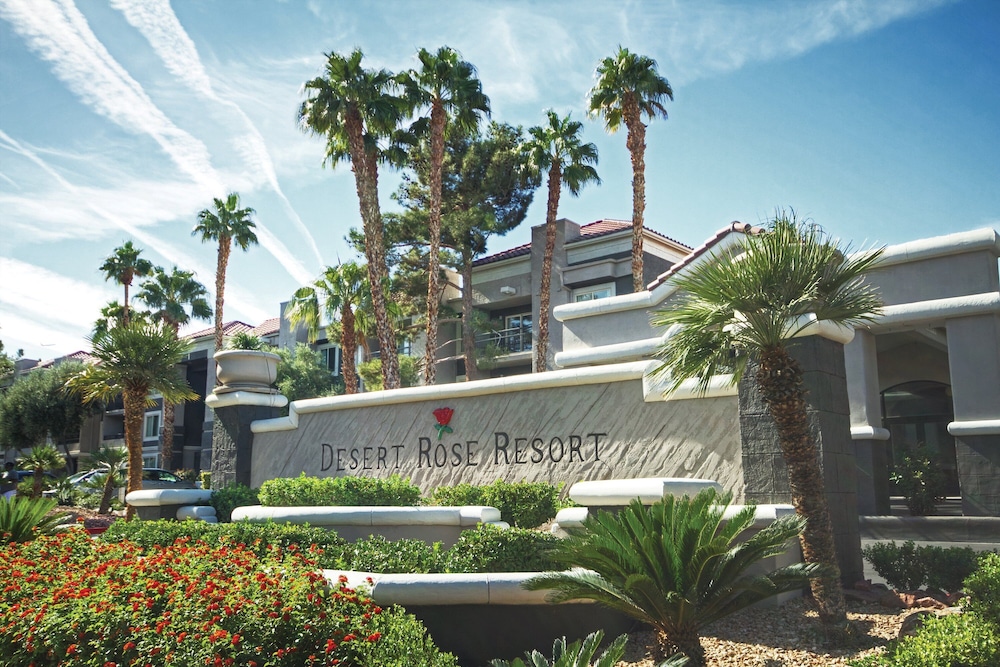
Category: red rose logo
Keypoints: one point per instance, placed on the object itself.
(443, 417)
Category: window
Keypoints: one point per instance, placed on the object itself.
(151, 430)
(330, 358)
(517, 333)
(602, 291)
(150, 461)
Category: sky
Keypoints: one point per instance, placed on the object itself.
(121, 120)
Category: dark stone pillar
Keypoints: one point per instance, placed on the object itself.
(765, 475)
(232, 439)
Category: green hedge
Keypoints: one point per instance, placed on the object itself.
(521, 504)
(907, 567)
(492, 549)
(983, 588)
(959, 640)
(313, 491)
(228, 498)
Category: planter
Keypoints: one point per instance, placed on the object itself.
(96, 530)
(246, 370)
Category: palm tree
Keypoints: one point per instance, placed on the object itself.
(227, 224)
(675, 565)
(134, 361)
(170, 296)
(628, 87)
(122, 266)
(738, 313)
(557, 149)
(449, 86)
(337, 295)
(114, 461)
(355, 110)
(39, 460)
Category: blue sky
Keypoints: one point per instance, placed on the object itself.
(121, 120)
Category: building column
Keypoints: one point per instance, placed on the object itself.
(871, 456)
(765, 474)
(232, 439)
(974, 363)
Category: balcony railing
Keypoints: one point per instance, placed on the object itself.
(506, 341)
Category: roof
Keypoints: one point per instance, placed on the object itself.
(80, 355)
(228, 329)
(733, 227)
(589, 231)
(268, 327)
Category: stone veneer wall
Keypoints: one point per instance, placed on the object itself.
(553, 434)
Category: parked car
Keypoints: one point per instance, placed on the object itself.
(152, 478)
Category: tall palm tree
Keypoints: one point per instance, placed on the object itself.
(174, 299)
(40, 459)
(134, 361)
(337, 295)
(122, 266)
(449, 87)
(675, 565)
(557, 149)
(737, 313)
(114, 461)
(356, 111)
(227, 224)
(628, 87)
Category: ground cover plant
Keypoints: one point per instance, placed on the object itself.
(312, 491)
(74, 601)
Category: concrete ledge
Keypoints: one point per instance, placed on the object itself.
(978, 427)
(243, 397)
(931, 528)
(197, 513)
(868, 432)
(161, 497)
(620, 492)
(573, 517)
(333, 516)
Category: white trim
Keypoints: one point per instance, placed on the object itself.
(867, 432)
(655, 388)
(231, 398)
(919, 312)
(939, 246)
(975, 427)
(564, 378)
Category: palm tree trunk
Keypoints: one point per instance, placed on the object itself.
(167, 450)
(220, 288)
(636, 143)
(434, 251)
(109, 488)
(544, 296)
(349, 345)
(780, 380)
(468, 332)
(366, 182)
(125, 305)
(135, 409)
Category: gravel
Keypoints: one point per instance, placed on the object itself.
(786, 636)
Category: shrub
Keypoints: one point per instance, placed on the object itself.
(377, 554)
(920, 481)
(192, 605)
(24, 519)
(228, 498)
(948, 568)
(898, 565)
(312, 491)
(492, 549)
(521, 504)
(983, 589)
(959, 640)
(206, 479)
(577, 654)
(246, 341)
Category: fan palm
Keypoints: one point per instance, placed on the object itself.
(113, 315)
(337, 295)
(449, 87)
(675, 565)
(557, 148)
(174, 298)
(39, 460)
(629, 87)
(226, 225)
(114, 462)
(355, 110)
(134, 361)
(122, 266)
(732, 313)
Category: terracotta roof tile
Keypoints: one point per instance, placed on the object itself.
(268, 327)
(735, 226)
(228, 329)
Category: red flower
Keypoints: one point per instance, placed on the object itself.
(443, 417)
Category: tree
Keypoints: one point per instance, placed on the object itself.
(676, 565)
(486, 191)
(227, 224)
(336, 295)
(6, 364)
(302, 374)
(355, 110)
(40, 459)
(114, 462)
(628, 87)
(37, 408)
(557, 149)
(122, 266)
(734, 314)
(449, 87)
(174, 299)
(134, 361)
(113, 315)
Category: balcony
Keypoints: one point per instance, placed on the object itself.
(505, 341)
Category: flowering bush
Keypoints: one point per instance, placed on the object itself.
(71, 601)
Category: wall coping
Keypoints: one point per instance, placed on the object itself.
(975, 427)
(161, 497)
(869, 432)
(249, 398)
(469, 515)
(617, 492)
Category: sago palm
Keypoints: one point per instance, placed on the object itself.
(356, 111)
(226, 224)
(336, 296)
(748, 309)
(174, 299)
(676, 565)
(558, 150)
(114, 462)
(24, 519)
(39, 460)
(580, 653)
(122, 266)
(135, 361)
(449, 88)
(628, 88)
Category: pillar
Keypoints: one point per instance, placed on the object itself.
(232, 439)
(871, 456)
